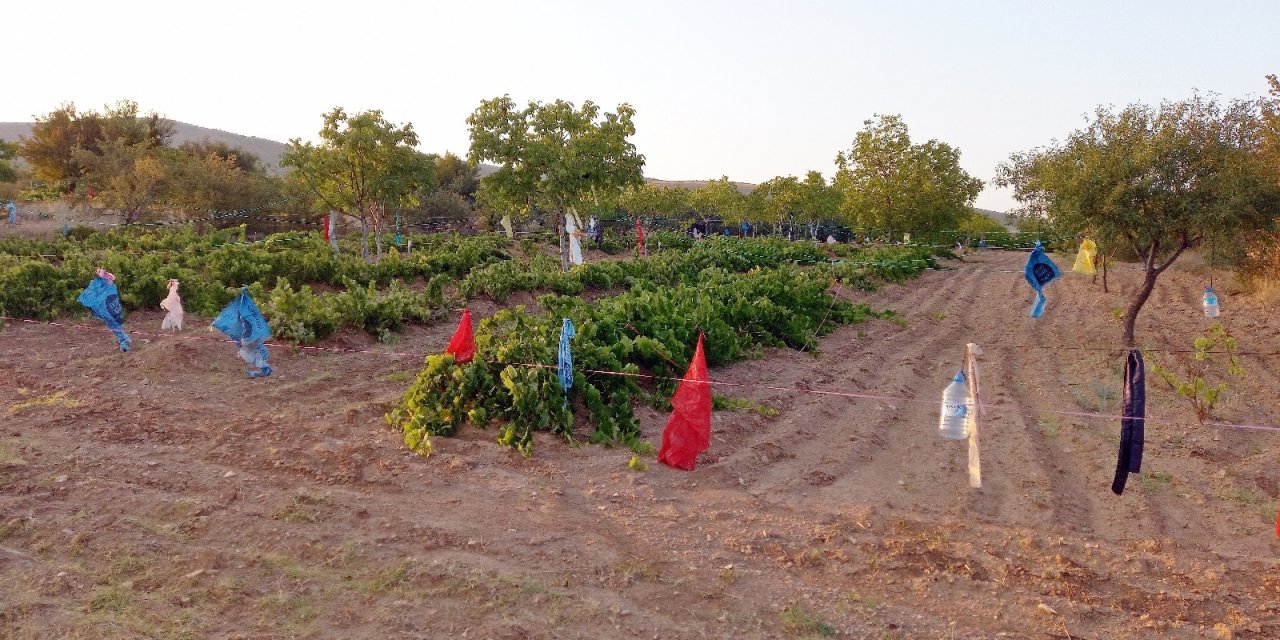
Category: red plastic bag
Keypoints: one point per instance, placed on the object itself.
(463, 344)
(688, 431)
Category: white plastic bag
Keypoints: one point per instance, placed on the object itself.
(173, 304)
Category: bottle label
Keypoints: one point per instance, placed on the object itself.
(954, 410)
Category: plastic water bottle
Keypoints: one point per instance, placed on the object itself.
(955, 404)
(1210, 303)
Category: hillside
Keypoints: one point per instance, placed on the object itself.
(743, 187)
(269, 151)
(998, 216)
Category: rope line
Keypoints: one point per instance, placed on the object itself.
(1013, 409)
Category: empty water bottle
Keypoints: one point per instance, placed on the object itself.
(1210, 303)
(955, 404)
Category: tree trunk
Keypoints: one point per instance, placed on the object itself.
(376, 211)
(333, 230)
(1131, 316)
(564, 244)
(1105, 261)
(364, 236)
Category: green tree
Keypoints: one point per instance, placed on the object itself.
(215, 177)
(723, 199)
(131, 179)
(978, 223)
(552, 157)
(364, 166)
(889, 183)
(820, 200)
(653, 200)
(789, 199)
(7, 152)
(457, 176)
(1155, 180)
(779, 200)
(246, 161)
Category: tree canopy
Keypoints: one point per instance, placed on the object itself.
(722, 198)
(1154, 180)
(64, 140)
(8, 151)
(363, 166)
(552, 156)
(889, 183)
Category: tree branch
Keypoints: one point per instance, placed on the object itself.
(1186, 243)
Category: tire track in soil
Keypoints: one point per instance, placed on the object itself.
(857, 456)
(777, 440)
(1216, 448)
(1023, 474)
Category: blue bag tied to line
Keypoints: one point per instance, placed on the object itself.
(243, 323)
(103, 299)
(565, 369)
(1040, 272)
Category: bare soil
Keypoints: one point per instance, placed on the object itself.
(163, 494)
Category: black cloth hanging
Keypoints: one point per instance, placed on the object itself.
(1132, 420)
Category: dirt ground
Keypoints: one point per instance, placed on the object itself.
(163, 494)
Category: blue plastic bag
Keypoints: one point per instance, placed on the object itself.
(1040, 271)
(242, 322)
(103, 299)
(565, 370)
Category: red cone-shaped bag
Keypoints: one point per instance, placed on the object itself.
(463, 344)
(688, 432)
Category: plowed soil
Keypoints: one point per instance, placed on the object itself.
(163, 494)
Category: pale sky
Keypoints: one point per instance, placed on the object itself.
(750, 90)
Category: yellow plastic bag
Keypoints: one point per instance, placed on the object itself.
(1084, 259)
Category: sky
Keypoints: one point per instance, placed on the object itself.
(747, 89)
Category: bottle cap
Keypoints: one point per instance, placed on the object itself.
(959, 377)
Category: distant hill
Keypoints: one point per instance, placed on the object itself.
(743, 187)
(269, 151)
(999, 216)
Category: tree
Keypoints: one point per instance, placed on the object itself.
(887, 182)
(1258, 259)
(132, 179)
(652, 200)
(457, 176)
(780, 200)
(819, 199)
(64, 140)
(552, 157)
(1157, 181)
(7, 152)
(721, 198)
(215, 177)
(363, 166)
(245, 161)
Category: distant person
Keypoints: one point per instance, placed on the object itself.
(746, 228)
(13, 213)
(698, 230)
